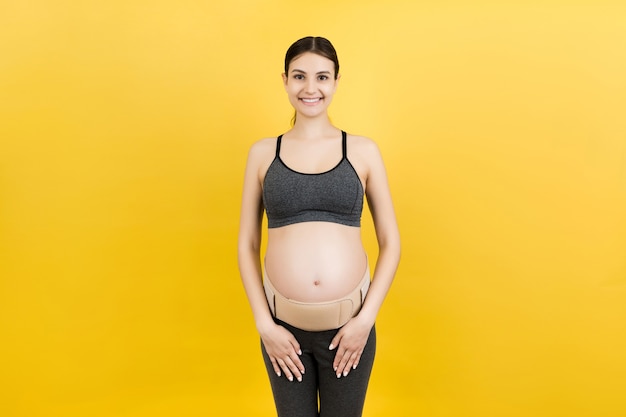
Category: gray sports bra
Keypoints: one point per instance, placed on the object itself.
(292, 197)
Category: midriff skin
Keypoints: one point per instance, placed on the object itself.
(315, 261)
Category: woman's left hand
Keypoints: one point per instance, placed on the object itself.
(350, 341)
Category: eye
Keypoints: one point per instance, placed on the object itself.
(298, 77)
(322, 77)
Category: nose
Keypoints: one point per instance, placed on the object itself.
(311, 86)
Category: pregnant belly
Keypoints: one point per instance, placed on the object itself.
(315, 261)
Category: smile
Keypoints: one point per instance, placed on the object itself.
(311, 100)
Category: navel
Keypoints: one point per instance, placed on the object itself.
(316, 282)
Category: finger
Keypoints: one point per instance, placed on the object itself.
(339, 358)
(291, 370)
(336, 340)
(345, 355)
(297, 362)
(357, 360)
(348, 367)
(295, 356)
(295, 365)
(339, 353)
(296, 345)
(296, 370)
(285, 368)
(275, 366)
(336, 361)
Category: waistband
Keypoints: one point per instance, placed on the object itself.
(321, 316)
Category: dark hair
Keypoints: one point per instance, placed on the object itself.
(315, 44)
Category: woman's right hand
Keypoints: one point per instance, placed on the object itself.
(283, 350)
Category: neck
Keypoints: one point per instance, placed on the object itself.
(306, 127)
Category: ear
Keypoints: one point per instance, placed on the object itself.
(284, 79)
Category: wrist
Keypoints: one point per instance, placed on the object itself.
(265, 324)
(366, 317)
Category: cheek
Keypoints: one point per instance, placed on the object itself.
(329, 91)
(289, 91)
(293, 94)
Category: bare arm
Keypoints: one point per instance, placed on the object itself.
(281, 346)
(249, 241)
(387, 234)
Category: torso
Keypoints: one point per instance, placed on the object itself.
(314, 261)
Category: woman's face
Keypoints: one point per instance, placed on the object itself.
(310, 83)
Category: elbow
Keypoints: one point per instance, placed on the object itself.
(391, 246)
(248, 246)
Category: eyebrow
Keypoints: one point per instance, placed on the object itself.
(304, 72)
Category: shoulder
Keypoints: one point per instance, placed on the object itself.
(263, 146)
(260, 156)
(261, 150)
(364, 155)
(362, 147)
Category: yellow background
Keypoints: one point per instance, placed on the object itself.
(124, 129)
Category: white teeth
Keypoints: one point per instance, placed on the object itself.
(310, 100)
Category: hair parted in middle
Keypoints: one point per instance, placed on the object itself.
(314, 44)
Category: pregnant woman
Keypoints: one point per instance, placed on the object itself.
(313, 298)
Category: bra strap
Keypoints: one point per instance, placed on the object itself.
(344, 144)
(278, 145)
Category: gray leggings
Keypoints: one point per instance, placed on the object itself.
(338, 397)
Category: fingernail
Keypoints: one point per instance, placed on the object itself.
(299, 352)
(345, 373)
(290, 379)
(331, 347)
(299, 379)
(335, 368)
(353, 366)
(302, 371)
(339, 375)
(278, 373)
